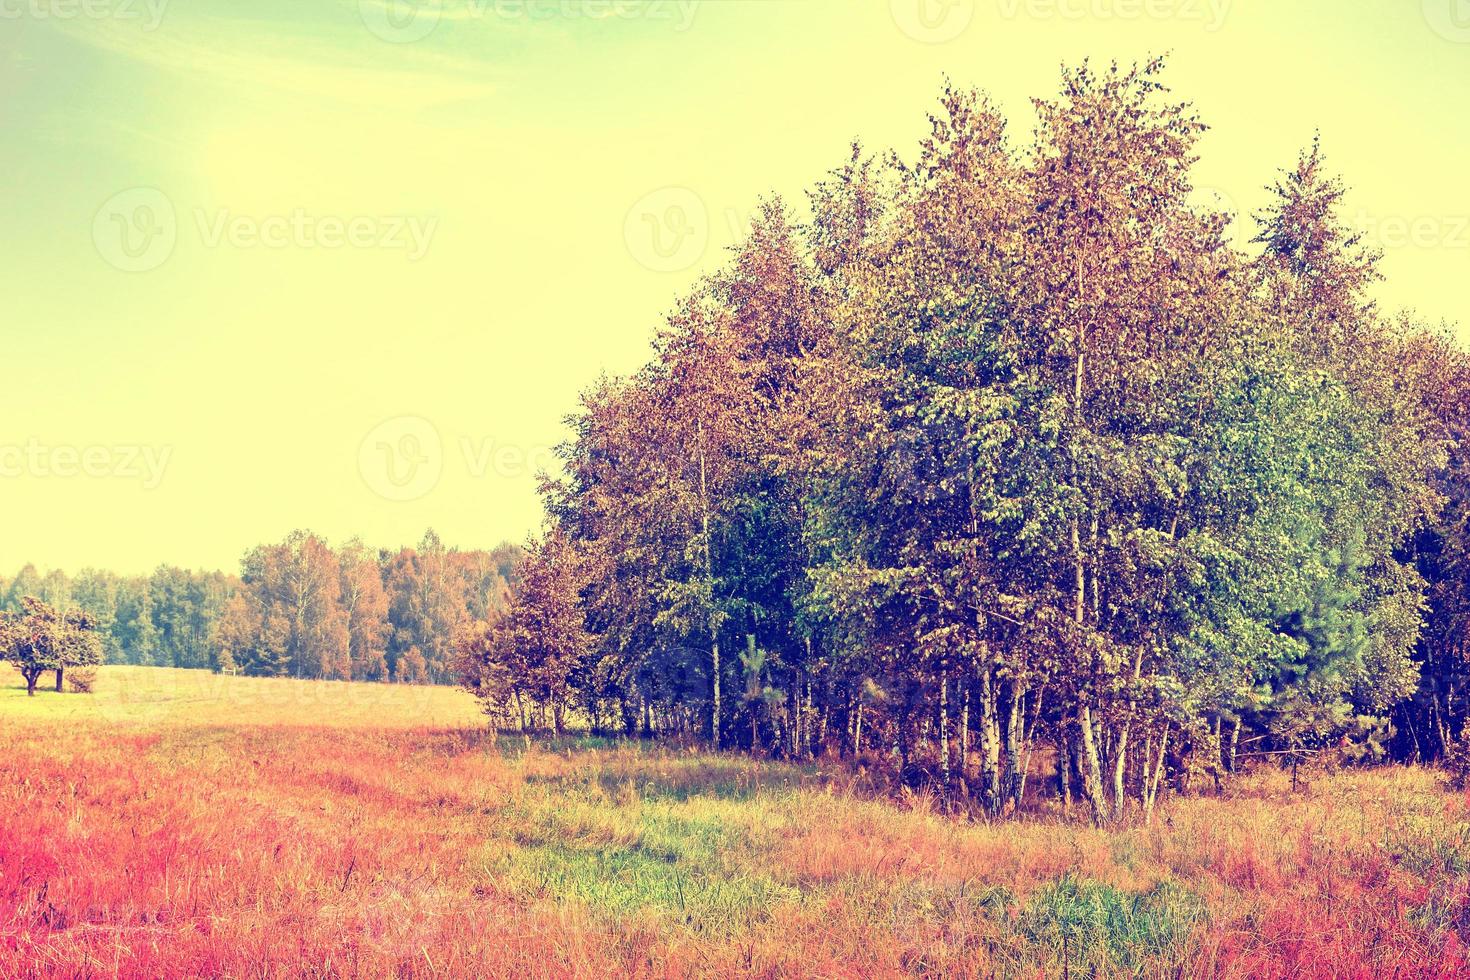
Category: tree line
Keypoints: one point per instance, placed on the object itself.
(1008, 444)
(298, 608)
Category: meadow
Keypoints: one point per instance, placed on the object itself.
(188, 824)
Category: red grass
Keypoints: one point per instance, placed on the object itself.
(261, 852)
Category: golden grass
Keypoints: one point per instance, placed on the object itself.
(166, 695)
(169, 827)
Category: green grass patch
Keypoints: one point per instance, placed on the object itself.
(623, 882)
(683, 861)
(1097, 927)
(1430, 846)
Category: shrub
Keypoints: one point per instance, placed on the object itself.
(81, 679)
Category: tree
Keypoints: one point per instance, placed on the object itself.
(136, 632)
(489, 666)
(1382, 435)
(289, 618)
(41, 639)
(428, 603)
(26, 582)
(545, 624)
(365, 603)
(96, 593)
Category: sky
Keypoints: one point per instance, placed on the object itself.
(346, 265)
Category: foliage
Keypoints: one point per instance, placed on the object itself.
(300, 607)
(40, 639)
(1012, 433)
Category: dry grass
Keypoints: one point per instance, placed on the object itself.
(163, 695)
(167, 827)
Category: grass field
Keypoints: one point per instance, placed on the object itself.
(192, 825)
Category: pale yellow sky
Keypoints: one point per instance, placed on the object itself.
(346, 265)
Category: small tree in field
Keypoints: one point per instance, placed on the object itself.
(41, 639)
(538, 643)
(488, 667)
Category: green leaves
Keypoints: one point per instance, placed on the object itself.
(40, 639)
(1007, 417)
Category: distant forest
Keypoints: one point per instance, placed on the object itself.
(298, 608)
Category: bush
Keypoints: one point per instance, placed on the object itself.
(81, 679)
(1457, 760)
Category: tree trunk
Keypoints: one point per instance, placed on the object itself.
(809, 717)
(989, 744)
(1151, 780)
(944, 729)
(1439, 727)
(1064, 769)
(1408, 723)
(1015, 735)
(1092, 781)
(1028, 741)
(31, 677)
(1096, 575)
(58, 678)
(1234, 742)
(709, 579)
(1090, 761)
(965, 733)
(1120, 760)
(901, 745)
(1091, 764)
(714, 724)
(826, 716)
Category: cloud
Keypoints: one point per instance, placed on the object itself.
(342, 63)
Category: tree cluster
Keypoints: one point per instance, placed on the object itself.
(1010, 443)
